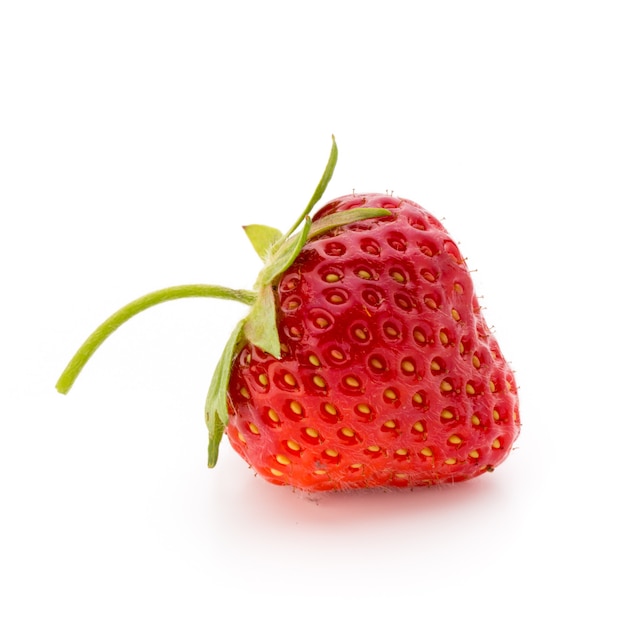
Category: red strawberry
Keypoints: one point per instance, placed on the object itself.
(365, 360)
(388, 374)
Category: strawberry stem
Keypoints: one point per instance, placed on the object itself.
(111, 324)
(259, 327)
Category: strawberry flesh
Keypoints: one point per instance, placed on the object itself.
(388, 376)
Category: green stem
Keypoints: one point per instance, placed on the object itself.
(93, 342)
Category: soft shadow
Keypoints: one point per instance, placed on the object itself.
(282, 506)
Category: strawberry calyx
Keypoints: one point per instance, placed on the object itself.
(278, 252)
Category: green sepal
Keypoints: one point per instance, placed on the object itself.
(343, 218)
(262, 238)
(321, 186)
(285, 255)
(216, 432)
(260, 325)
(216, 407)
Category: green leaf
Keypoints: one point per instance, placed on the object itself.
(262, 238)
(321, 187)
(343, 218)
(216, 407)
(260, 325)
(215, 438)
(285, 255)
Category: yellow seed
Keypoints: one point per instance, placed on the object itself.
(434, 366)
(364, 274)
(476, 362)
(322, 322)
(331, 277)
(391, 331)
(474, 454)
(408, 366)
(445, 386)
(402, 452)
(376, 363)
(263, 379)
(450, 461)
(337, 355)
(254, 429)
(443, 337)
(347, 432)
(332, 453)
(360, 333)
(276, 472)
(496, 415)
(469, 388)
(455, 440)
(295, 407)
(492, 386)
(419, 427)
(373, 448)
(390, 394)
(320, 472)
(356, 465)
(496, 444)
(336, 298)
(430, 303)
(289, 379)
(428, 276)
(311, 432)
(318, 381)
(282, 459)
(426, 452)
(313, 360)
(461, 348)
(351, 381)
(364, 409)
(458, 287)
(398, 276)
(389, 424)
(446, 414)
(245, 393)
(455, 315)
(293, 445)
(417, 398)
(330, 408)
(419, 336)
(273, 415)
(475, 420)
(241, 437)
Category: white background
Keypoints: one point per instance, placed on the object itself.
(137, 137)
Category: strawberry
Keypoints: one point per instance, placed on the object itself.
(365, 360)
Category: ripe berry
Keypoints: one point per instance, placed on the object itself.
(388, 374)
